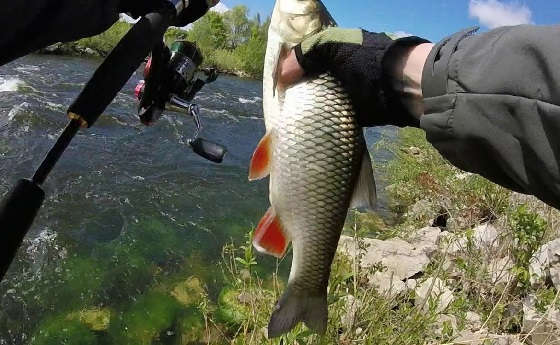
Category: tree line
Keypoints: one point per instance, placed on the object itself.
(231, 41)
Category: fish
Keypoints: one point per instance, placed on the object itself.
(315, 154)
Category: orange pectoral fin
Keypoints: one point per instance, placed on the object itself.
(270, 237)
(260, 163)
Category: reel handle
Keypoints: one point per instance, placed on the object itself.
(208, 149)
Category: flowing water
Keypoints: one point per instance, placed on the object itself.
(127, 205)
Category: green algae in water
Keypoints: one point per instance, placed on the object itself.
(190, 327)
(77, 284)
(128, 274)
(143, 322)
(60, 330)
(156, 241)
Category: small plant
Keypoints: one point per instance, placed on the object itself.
(248, 260)
(546, 297)
(528, 230)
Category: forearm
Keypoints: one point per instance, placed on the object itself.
(492, 106)
(34, 24)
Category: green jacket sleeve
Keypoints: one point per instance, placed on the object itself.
(492, 106)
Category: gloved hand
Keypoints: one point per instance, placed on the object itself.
(36, 24)
(362, 61)
(194, 10)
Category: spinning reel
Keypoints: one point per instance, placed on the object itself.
(170, 83)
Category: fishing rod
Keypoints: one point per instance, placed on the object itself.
(21, 205)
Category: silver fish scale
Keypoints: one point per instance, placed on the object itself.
(317, 155)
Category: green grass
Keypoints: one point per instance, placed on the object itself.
(106, 41)
(419, 172)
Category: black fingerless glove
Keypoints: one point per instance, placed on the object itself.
(138, 8)
(195, 9)
(358, 59)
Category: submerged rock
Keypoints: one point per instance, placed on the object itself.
(96, 319)
(189, 292)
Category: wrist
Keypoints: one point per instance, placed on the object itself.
(406, 76)
(402, 67)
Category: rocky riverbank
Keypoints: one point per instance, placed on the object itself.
(71, 49)
(432, 269)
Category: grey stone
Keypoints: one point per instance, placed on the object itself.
(485, 236)
(397, 256)
(400, 259)
(89, 51)
(500, 270)
(426, 239)
(541, 328)
(473, 320)
(411, 284)
(351, 307)
(538, 266)
(452, 243)
(387, 282)
(433, 288)
(442, 320)
(414, 151)
(483, 337)
(545, 264)
(554, 262)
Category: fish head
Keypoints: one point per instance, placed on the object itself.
(294, 20)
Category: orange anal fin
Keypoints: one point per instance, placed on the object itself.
(270, 237)
(260, 163)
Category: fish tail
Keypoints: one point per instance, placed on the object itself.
(295, 307)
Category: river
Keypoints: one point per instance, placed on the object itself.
(124, 196)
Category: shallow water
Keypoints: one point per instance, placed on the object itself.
(126, 203)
